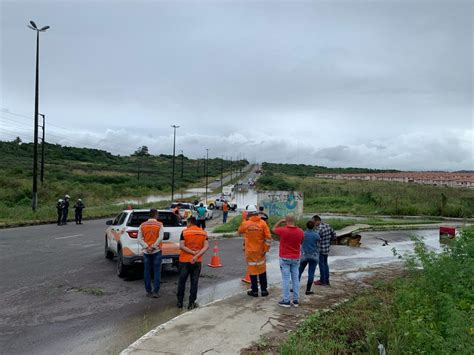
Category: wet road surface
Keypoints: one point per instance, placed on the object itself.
(60, 295)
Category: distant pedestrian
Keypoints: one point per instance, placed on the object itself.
(262, 214)
(193, 244)
(257, 241)
(65, 209)
(78, 207)
(59, 209)
(291, 238)
(327, 234)
(201, 216)
(150, 237)
(225, 211)
(176, 211)
(309, 254)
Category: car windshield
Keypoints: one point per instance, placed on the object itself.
(168, 219)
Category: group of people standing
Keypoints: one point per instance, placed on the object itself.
(62, 209)
(297, 250)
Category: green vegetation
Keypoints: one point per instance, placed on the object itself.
(428, 312)
(367, 197)
(101, 179)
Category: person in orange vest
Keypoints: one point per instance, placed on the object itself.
(257, 240)
(193, 244)
(150, 237)
(225, 211)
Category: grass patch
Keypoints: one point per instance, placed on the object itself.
(429, 312)
(367, 197)
(94, 291)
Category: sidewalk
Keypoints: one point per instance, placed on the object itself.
(238, 322)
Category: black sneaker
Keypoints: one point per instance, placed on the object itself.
(252, 293)
(309, 293)
(264, 293)
(149, 294)
(193, 305)
(156, 295)
(179, 304)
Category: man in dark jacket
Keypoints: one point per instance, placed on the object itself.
(65, 209)
(59, 209)
(78, 207)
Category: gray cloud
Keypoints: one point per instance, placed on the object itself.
(296, 81)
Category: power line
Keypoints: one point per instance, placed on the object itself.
(5, 110)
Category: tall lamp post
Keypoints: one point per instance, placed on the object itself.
(207, 170)
(42, 150)
(174, 153)
(34, 201)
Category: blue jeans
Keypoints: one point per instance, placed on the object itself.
(224, 217)
(289, 267)
(324, 269)
(152, 261)
(312, 261)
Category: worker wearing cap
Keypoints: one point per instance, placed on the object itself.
(257, 240)
(59, 209)
(193, 244)
(150, 237)
(78, 207)
(65, 209)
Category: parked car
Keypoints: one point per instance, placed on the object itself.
(218, 202)
(121, 239)
(209, 213)
(186, 209)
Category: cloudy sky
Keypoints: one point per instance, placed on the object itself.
(381, 83)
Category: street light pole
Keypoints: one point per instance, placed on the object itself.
(222, 173)
(34, 200)
(42, 151)
(207, 170)
(174, 153)
(182, 164)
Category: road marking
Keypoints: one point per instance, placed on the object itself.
(70, 236)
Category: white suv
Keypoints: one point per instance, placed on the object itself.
(121, 238)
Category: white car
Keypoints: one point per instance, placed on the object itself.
(218, 202)
(209, 213)
(121, 238)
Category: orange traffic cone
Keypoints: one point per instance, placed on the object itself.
(215, 261)
(246, 279)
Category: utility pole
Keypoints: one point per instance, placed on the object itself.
(42, 151)
(182, 165)
(222, 173)
(207, 170)
(174, 153)
(34, 200)
(231, 170)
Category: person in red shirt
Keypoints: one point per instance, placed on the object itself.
(291, 238)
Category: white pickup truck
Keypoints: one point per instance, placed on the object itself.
(121, 239)
(218, 202)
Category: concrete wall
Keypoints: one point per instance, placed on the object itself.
(281, 203)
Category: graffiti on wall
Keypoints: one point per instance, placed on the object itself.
(281, 203)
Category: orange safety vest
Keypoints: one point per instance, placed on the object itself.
(225, 207)
(151, 231)
(194, 238)
(257, 240)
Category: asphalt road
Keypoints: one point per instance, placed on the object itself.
(60, 295)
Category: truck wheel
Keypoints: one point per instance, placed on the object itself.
(122, 270)
(108, 254)
(211, 206)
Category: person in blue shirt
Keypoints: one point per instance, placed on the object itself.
(309, 254)
(201, 216)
